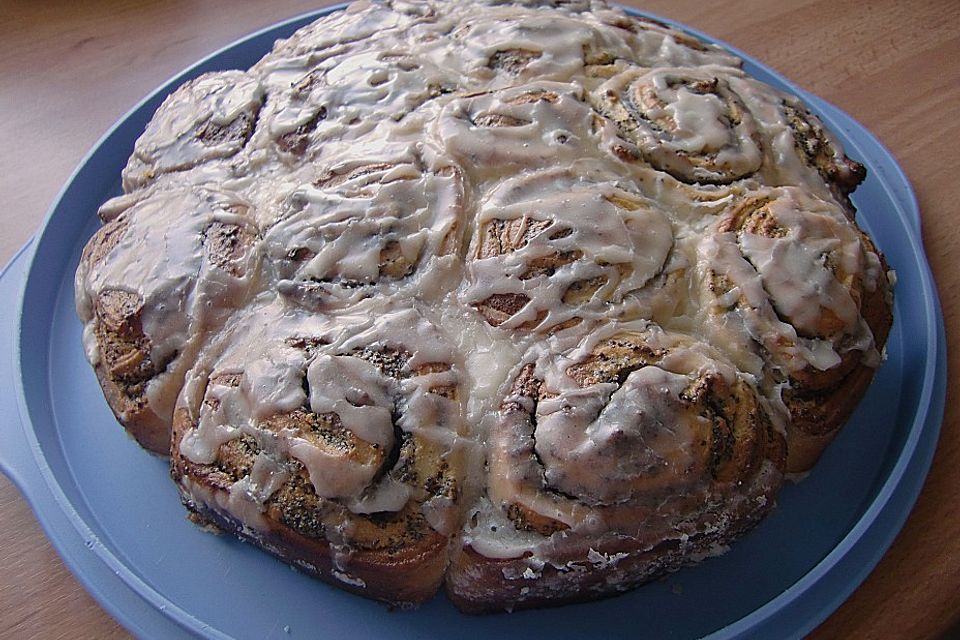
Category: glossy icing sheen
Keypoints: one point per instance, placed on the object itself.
(483, 188)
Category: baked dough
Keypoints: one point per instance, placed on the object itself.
(536, 300)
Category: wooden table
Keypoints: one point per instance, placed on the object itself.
(68, 70)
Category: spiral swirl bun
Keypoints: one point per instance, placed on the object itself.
(366, 227)
(595, 420)
(206, 119)
(147, 315)
(341, 437)
(537, 265)
(791, 282)
(689, 123)
(532, 299)
(612, 449)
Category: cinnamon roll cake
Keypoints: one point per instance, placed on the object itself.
(534, 301)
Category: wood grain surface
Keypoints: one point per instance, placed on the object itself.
(68, 70)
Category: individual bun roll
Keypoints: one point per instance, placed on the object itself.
(151, 284)
(821, 151)
(790, 285)
(338, 445)
(536, 45)
(574, 6)
(344, 97)
(518, 129)
(339, 31)
(554, 245)
(210, 117)
(609, 462)
(369, 225)
(559, 38)
(656, 43)
(799, 150)
(688, 122)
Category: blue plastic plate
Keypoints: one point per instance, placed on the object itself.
(112, 513)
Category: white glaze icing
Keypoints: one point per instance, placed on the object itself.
(329, 243)
(687, 122)
(601, 442)
(782, 288)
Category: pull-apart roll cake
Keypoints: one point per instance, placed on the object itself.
(532, 301)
